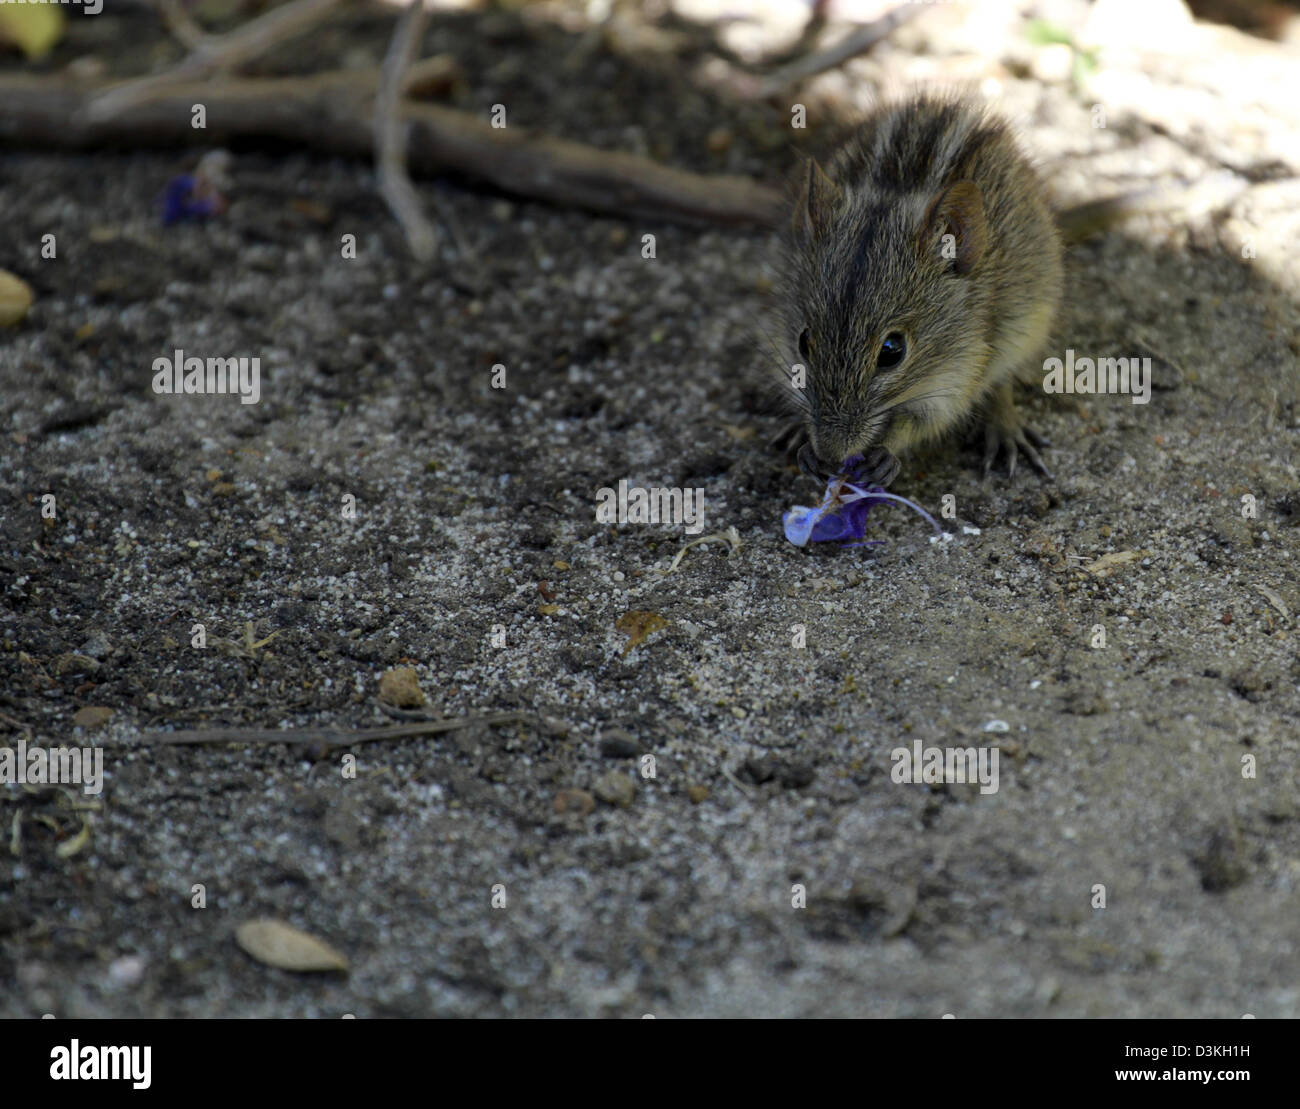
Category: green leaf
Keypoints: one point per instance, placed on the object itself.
(1042, 33)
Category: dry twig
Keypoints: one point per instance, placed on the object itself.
(390, 133)
(217, 53)
(859, 42)
(333, 737)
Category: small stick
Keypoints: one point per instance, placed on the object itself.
(332, 737)
(256, 37)
(857, 43)
(219, 53)
(390, 133)
(183, 27)
(812, 29)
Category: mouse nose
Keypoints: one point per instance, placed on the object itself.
(829, 445)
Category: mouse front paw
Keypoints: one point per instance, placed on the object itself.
(878, 467)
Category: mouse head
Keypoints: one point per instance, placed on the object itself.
(884, 308)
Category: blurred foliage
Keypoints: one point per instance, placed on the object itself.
(1042, 33)
(33, 28)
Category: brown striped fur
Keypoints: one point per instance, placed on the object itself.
(866, 258)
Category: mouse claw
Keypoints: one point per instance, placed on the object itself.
(878, 468)
(1013, 441)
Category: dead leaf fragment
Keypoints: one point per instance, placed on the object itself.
(33, 29)
(731, 537)
(739, 432)
(1274, 600)
(15, 298)
(276, 944)
(574, 801)
(638, 626)
(70, 847)
(313, 210)
(1110, 562)
(92, 716)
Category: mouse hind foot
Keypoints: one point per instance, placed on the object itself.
(1006, 431)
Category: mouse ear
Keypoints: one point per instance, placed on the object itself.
(956, 218)
(814, 203)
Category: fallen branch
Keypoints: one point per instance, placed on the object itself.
(333, 113)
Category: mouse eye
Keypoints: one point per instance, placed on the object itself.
(805, 343)
(892, 351)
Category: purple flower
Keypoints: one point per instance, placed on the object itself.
(842, 515)
(181, 202)
(200, 194)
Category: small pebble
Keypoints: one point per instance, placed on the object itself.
(127, 970)
(400, 687)
(95, 647)
(615, 789)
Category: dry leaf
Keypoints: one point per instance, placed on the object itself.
(1275, 601)
(33, 28)
(637, 626)
(277, 944)
(70, 847)
(574, 801)
(15, 296)
(731, 537)
(92, 716)
(739, 432)
(313, 210)
(1108, 562)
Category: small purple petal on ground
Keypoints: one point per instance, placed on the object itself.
(183, 199)
(799, 522)
(842, 515)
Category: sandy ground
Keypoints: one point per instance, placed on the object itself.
(771, 866)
